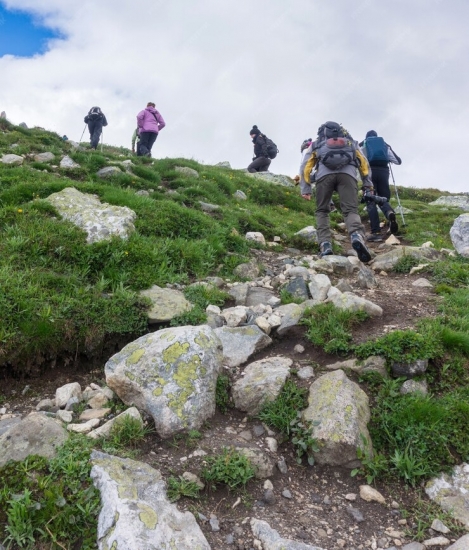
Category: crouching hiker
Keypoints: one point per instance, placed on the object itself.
(149, 122)
(264, 150)
(95, 120)
(379, 155)
(337, 156)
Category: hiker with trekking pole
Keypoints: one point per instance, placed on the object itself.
(95, 120)
(380, 155)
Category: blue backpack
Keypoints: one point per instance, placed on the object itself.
(376, 149)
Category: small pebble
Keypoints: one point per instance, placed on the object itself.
(282, 466)
(286, 493)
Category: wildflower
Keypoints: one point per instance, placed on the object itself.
(20, 210)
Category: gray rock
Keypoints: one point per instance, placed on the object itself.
(240, 195)
(108, 171)
(207, 207)
(263, 467)
(23, 125)
(414, 386)
(366, 278)
(402, 210)
(410, 370)
(276, 179)
(282, 465)
(319, 287)
(269, 497)
(100, 221)
(64, 416)
(388, 260)
(271, 540)
(8, 423)
(341, 408)
(239, 293)
(340, 265)
(72, 403)
(438, 525)
(450, 492)
(343, 286)
(297, 288)
(308, 233)
(255, 236)
(171, 374)
(66, 392)
(355, 514)
(105, 429)
(12, 159)
(223, 164)
(45, 405)
(412, 546)
(298, 271)
(460, 201)
(287, 494)
(262, 382)
(258, 295)
(44, 157)
(248, 270)
(460, 544)
(291, 315)
(235, 316)
(240, 343)
(459, 234)
(166, 304)
(135, 511)
(68, 164)
(422, 283)
(352, 302)
(186, 171)
(436, 541)
(142, 193)
(36, 434)
(305, 373)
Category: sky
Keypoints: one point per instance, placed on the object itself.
(214, 68)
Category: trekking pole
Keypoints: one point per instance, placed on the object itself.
(397, 195)
(83, 133)
(102, 141)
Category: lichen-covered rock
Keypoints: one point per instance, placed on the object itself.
(291, 315)
(68, 164)
(459, 234)
(171, 374)
(450, 492)
(249, 270)
(271, 540)
(36, 434)
(308, 233)
(100, 221)
(460, 201)
(108, 171)
(388, 260)
(186, 171)
(136, 513)
(340, 407)
(276, 179)
(262, 382)
(12, 159)
(44, 157)
(166, 303)
(239, 343)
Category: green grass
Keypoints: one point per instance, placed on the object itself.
(330, 328)
(178, 487)
(229, 468)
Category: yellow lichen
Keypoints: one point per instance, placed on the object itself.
(172, 353)
(135, 357)
(147, 516)
(184, 377)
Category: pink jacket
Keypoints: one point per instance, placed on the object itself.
(150, 120)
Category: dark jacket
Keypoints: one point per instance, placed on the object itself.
(260, 146)
(102, 119)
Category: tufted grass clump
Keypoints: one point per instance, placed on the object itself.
(330, 327)
(230, 468)
(178, 487)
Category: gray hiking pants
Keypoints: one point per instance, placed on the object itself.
(259, 164)
(347, 188)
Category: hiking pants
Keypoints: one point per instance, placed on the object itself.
(95, 127)
(259, 164)
(147, 139)
(347, 188)
(380, 179)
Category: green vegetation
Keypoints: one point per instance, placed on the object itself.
(329, 327)
(230, 468)
(288, 298)
(200, 296)
(222, 393)
(126, 434)
(178, 487)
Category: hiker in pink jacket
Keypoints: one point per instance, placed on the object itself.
(149, 122)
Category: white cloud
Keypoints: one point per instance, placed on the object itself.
(215, 68)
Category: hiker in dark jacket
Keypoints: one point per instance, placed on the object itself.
(380, 179)
(261, 160)
(149, 122)
(95, 120)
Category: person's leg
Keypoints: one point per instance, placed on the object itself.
(257, 164)
(151, 141)
(324, 190)
(383, 190)
(144, 141)
(265, 166)
(97, 129)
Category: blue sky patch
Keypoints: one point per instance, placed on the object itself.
(21, 34)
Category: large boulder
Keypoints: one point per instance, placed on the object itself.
(450, 492)
(44, 157)
(100, 221)
(171, 374)
(262, 382)
(37, 434)
(240, 343)
(276, 179)
(135, 511)
(352, 302)
(388, 260)
(459, 201)
(459, 234)
(14, 160)
(339, 411)
(166, 304)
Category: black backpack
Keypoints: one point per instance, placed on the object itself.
(95, 113)
(272, 150)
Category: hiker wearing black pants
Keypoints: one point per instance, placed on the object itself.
(379, 155)
(261, 160)
(95, 120)
(149, 123)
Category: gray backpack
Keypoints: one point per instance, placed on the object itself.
(335, 147)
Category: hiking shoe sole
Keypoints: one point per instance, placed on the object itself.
(393, 227)
(363, 254)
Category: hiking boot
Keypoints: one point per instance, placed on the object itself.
(306, 197)
(325, 249)
(358, 244)
(393, 227)
(375, 237)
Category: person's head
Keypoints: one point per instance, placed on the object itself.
(254, 131)
(371, 133)
(150, 104)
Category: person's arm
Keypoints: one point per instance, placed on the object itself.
(307, 165)
(364, 169)
(104, 120)
(140, 117)
(261, 141)
(392, 157)
(86, 119)
(160, 120)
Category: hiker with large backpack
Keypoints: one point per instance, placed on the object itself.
(149, 122)
(95, 120)
(264, 151)
(379, 155)
(336, 156)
